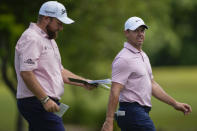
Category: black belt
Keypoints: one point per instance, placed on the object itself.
(35, 98)
(124, 104)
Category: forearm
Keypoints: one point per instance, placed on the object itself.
(112, 105)
(160, 94)
(113, 100)
(32, 84)
(67, 74)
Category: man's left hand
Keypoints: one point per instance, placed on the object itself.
(185, 108)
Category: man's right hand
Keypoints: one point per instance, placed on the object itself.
(51, 106)
(108, 125)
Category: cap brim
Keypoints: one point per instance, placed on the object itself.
(66, 20)
(134, 28)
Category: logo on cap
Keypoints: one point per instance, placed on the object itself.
(63, 11)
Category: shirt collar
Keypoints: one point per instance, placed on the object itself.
(38, 29)
(131, 48)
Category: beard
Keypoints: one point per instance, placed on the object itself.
(51, 34)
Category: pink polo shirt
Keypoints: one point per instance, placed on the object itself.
(35, 52)
(132, 69)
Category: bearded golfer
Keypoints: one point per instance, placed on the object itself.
(40, 73)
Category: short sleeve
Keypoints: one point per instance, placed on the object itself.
(29, 51)
(120, 71)
(151, 75)
(62, 67)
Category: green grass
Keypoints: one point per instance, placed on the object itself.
(7, 110)
(179, 82)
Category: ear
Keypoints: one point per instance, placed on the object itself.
(126, 32)
(46, 19)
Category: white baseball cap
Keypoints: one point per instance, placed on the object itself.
(55, 9)
(133, 23)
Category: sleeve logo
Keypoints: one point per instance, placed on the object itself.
(29, 61)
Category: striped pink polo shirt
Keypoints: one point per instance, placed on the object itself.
(132, 69)
(35, 52)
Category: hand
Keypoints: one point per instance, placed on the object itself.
(51, 106)
(108, 125)
(90, 86)
(185, 108)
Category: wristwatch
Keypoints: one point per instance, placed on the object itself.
(44, 100)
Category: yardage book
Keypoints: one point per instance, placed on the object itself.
(63, 109)
(102, 82)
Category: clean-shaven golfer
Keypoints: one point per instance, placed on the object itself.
(133, 84)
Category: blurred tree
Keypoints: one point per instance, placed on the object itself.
(9, 31)
(12, 19)
(184, 24)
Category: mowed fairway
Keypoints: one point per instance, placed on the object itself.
(179, 82)
(7, 110)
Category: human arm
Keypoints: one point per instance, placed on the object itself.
(34, 86)
(112, 105)
(160, 94)
(67, 74)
